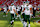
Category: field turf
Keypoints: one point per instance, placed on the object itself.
(5, 22)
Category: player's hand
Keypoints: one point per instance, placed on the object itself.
(15, 11)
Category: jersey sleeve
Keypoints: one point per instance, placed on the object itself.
(30, 6)
(9, 7)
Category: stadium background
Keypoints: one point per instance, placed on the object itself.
(5, 21)
(19, 2)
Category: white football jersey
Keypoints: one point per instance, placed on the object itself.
(27, 9)
(11, 9)
(5, 9)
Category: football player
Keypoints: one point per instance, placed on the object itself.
(12, 10)
(18, 10)
(5, 11)
(26, 9)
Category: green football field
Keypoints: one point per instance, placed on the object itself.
(5, 22)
